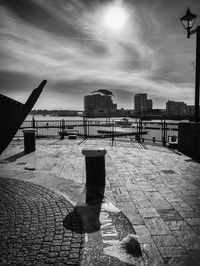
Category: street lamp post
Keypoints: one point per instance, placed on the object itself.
(188, 21)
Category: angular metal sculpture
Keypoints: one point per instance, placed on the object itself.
(13, 114)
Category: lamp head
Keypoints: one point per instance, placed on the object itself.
(188, 21)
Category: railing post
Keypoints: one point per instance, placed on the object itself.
(136, 136)
(33, 122)
(88, 127)
(139, 133)
(62, 129)
(164, 133)
(85, 127)
(112, 130)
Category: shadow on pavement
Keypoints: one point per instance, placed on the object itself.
(88, 208)
(14, 157)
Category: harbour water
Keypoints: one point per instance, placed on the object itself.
(59, 118)
(49, 126)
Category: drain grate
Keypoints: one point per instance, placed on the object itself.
(169, 172)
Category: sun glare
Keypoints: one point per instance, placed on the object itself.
(115, 17)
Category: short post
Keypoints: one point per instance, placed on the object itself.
(140, 130)
(33, 122)
(62, 132)
(85, 127)
(95, 167)
(112, 130)
(29, 139)
(164, 128)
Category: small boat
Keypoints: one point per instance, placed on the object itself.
(123, 122)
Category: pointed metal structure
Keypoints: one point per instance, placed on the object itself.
(13, 114)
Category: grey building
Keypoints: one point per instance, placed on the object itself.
(99, 103)
(142, 105)
(176, 108)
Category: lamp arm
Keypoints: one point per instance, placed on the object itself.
(192, 31)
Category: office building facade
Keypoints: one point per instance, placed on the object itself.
(176, 108)
(142, 105)
(99, 103)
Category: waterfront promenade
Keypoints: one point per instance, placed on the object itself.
(155, 187)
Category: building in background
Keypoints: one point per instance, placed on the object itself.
(190, 110)
(149, 105)
(176, 108)
(100, 103)
(142, 105)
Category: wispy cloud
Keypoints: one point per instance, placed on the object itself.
(67, 42)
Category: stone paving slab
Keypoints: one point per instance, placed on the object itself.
(31, 226)
(156, 188)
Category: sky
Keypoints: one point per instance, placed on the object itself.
(79, 47)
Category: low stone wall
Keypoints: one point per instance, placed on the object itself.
(189, 139)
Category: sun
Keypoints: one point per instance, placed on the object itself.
(115, 17)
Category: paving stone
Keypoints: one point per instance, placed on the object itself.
(196, 229)
(181, 206)
(178, 225)
(176, 251)
(171, 196)
(169, 215)
(189, 239)
(193, 221)
(135, 218)
(143, 234)
(189, 214)
(148, 212)
(38, 246)
(143, 203)
(166, 241)
(156, 226)
(127, 207)
(154, 196)
(146, 186)
(152, 255)
(161, 204)
(182, 260)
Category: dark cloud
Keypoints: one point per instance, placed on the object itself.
(38, 16)
(17, 82)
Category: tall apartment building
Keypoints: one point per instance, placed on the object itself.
(99, 103)
(175, 108)
(142, 104)
(190, 110)
(149, 105)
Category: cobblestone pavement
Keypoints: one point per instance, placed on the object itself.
(155, 187)
(31, 226)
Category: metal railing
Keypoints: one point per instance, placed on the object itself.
(141, 131)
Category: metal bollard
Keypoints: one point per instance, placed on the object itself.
(95, 167)
(29, 139)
